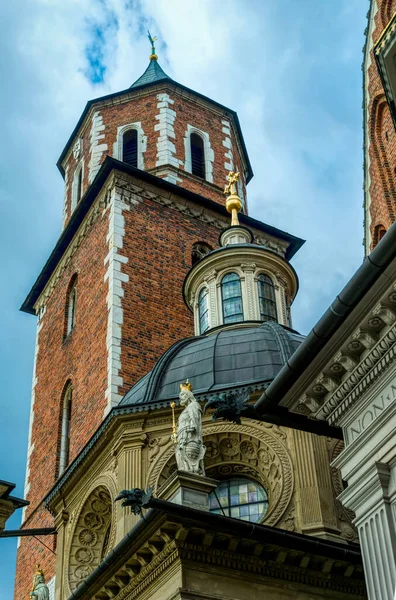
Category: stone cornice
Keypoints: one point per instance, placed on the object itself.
(362, 358)
(171, 544)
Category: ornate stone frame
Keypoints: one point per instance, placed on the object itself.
(91, 549)
(263, 453)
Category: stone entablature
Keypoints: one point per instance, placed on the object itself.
(361, 358)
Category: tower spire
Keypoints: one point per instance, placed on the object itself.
(153, 55)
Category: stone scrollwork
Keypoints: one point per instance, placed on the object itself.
(91, 537)
(248, 450)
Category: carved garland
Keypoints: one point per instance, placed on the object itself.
(245, 450)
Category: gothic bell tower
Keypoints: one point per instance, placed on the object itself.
(144, 172)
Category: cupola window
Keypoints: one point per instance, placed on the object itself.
(197, 155)
(240, 498)
(65, 429)
(130, 147)
(203, 309)
(231, 295)
(267, 301)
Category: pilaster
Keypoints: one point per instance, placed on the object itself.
(128, 452)
(317, 516)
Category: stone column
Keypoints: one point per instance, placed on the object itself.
(316, 510)
(251, 311)
(129, 458)
(371, 499)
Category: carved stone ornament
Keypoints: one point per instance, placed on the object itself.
(344, 515)
(245, 450)
(77, 148)
(91, 539)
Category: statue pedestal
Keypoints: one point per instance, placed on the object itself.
(188, 489)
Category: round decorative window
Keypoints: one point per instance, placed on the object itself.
(240, 498)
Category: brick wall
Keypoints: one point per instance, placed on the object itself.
(99, 136)
(381, 136)
(154, 250)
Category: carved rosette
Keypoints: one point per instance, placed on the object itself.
(246, 450)
(92, 537)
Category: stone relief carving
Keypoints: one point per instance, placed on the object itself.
(344, 515)
(91, 536)
(256, 451)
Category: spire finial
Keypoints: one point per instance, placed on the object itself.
(153, 55)
(233, 201)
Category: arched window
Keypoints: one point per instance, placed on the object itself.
(240, 498)
(267, 302)
(197, 155)
(231, 295)
(379, 233)
(199, 250)
(203, 309)
(130, 147)
(70, 307)
(65, 429)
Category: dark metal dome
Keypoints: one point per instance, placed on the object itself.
(243, 357)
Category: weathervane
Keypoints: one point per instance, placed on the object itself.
(153, 55)
(233, 201)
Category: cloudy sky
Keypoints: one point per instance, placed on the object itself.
(292, 71)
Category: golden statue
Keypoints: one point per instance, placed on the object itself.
(153, 55)
(233, 201)
(39, 589)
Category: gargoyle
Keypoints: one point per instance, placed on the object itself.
(230, 406)
(135, 498)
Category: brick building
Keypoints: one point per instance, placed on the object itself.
(379, 123)
(136, 272)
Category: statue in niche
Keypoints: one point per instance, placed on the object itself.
(40, 589)
(187, 436)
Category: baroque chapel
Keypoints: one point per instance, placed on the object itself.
(149, 285)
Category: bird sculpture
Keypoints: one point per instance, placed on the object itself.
(230, 406)
(136, 499)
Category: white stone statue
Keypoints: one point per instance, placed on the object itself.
(40, 589)
(190, 449)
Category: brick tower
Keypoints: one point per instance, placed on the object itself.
(144, 172)
(379, 89)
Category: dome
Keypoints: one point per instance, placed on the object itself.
(242, 357)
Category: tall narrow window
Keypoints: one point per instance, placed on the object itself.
(70, 308)
(79, 186)
(197, 155)
(130, 147)
(203, 309)
(231, 295)
(267, 302)
(65, 429)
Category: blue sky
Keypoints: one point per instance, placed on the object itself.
(292, 71)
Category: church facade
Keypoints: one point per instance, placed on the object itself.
(149, 286)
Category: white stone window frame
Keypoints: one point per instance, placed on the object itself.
(219, 299)
(79, 169)
(208, 152)
(141, 142)
(278, 290)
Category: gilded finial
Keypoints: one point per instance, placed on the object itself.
(153, 55)
(233, 201)
(186, 386)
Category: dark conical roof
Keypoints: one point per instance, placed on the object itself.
(244, 357)
(153, 73)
